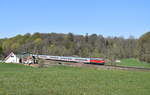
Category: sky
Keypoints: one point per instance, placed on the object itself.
(104, 17)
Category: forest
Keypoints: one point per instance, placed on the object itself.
(70, 44)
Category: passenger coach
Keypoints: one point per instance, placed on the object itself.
(74, 59)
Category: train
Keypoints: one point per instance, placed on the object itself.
(99, 61)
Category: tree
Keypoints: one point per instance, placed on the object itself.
(1, 51)
(92, 39)
(70, 37)
(84, 52)
(38, 46)
(96, 53)
(144, 47)
(86, 38)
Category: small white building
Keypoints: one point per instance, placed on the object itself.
(12, 58)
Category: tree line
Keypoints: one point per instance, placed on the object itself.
(94, 45)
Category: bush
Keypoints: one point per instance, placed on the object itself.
(41, 63)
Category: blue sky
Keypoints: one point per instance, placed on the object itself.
(105, 17)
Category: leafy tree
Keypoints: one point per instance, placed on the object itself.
(38, 46)
(84, 52)
(96, 53)
(86, 38)
(1, 52)
(144, 47)
(70, 37)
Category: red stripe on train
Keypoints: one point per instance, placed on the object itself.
(97, 61)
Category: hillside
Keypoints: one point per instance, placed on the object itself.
(77, 45)
(70, 44)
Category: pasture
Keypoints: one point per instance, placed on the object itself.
(18, 79)
(133, 63)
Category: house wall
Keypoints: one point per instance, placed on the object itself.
(12, 59)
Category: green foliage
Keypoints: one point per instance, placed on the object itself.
(85, 52)
(144, 47)
(96, 53)
(1, 52)
(38, 41)
(70, 37)
(17, 79)
(94, 45)
(55, 50)
(15, 46)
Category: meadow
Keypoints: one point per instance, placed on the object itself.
(16, 79)
(133, 63)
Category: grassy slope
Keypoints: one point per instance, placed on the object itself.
(21, 80)
(133, 62)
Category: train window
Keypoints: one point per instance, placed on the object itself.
(12, 56)
(96, 59)
(67, 58)
(81, 59)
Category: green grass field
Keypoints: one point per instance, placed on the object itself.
(60, 80)
(133, 63)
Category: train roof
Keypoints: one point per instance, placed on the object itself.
(70, 57)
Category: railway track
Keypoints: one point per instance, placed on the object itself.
(107, 66)
(102, 66)
(128, 68)
(87, 60)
